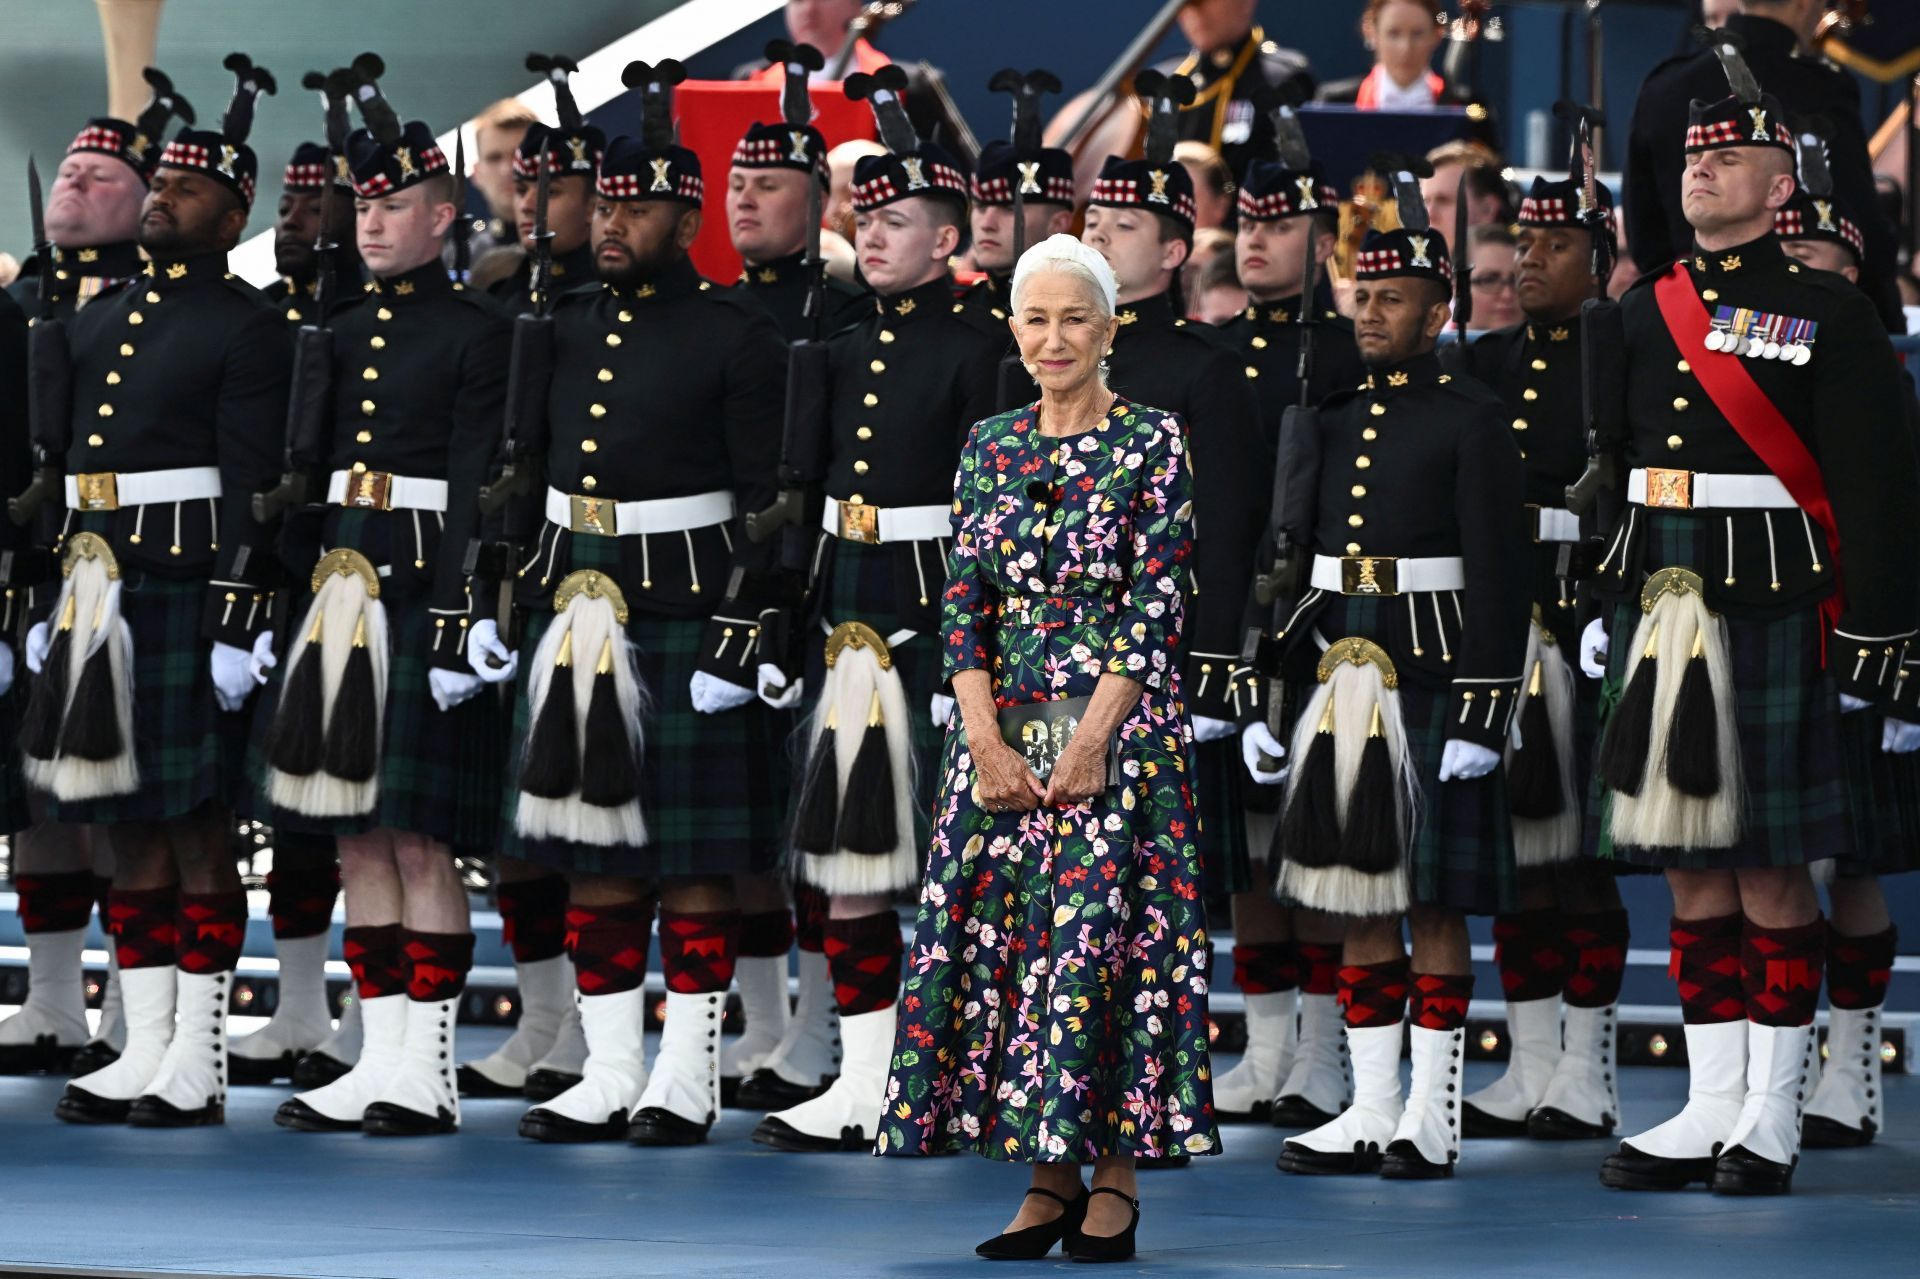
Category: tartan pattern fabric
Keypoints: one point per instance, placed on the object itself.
(1319, 967)
(710, 785)
(898, 181)
(1859, 968)
(99, 138)
(1553, 210)
(1439, 1000)
(533, 917)
(1265, 968)
(437, 964)
(144, 925)
(781, 146)
(191, 155)
(1705, 961)
(209, 931)
(864, 959)
(53, 903)
(1790, 224)
(1597, 949)
(1788, 713)
(370, 182)
(1273, 205)
(766, 934)
(631, 186)
(608, 945)
(1530, 950)
(1125, 193)
(1781, 970)
(1883, 801)
(301, 892)
(1734, 132)
(1373, 995)
(303, 177)
(1220, 802)
(697, 950)
(188, 750)
(373, 957)
(1053, 187)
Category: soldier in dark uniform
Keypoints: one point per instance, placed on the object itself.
(662, 425)
(573, 149)
(906, 385)
(1657, 227)
(395, 755)
(767, 222)
(1285, 962)
(1757, 407)
(298, 227)
(1047, 194)
(1846, 1109)
(1406, 656)
(179, 398)
(1236, 70)
(1568, 939)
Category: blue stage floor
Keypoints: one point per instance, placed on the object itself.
(251, 1199)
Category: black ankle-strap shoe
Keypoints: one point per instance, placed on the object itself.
(1104, 1248)
(1035, 1242)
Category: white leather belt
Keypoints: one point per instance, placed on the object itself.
(601, 517)
(111, 490)
(858, 522)
(1387, 574)
(1668, 490)
(1554, 524)
(385, 491)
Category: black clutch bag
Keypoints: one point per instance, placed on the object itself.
(1040, 731)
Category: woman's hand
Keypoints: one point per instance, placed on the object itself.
(1080, 773)
(1002, 781)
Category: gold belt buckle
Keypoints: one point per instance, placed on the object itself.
(98, 491)
(369, 490)
(1669, 490)
(593, 515)
(860, 522)
(1369, 575)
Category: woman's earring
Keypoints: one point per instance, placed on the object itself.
(1033, 370)
(1105, 368)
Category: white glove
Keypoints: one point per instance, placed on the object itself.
(1464, 761)
(774, 689)
(490, 659)
(1256, 741)
(39, 640)
(263, 659)
(1897, 737)
(232, 678)
(1593, 649)
(450, 688)
(711, 694)
(1849, 703)
(941, 706)
(6, 668)
(1211, 730)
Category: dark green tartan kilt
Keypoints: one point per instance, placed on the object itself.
(188, 750)
(710, 785)
(1883, 801)
(1787, 712)
(14, 814)
(1462, 853)
(1220, 798)
(438, 769)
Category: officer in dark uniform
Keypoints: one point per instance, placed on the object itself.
(1569, 936)
(1284, 961)
(298, 226)
(93, 207)
(907, 384)
(1046, 192)
(573, 151)
(179, 399)
(1753, 409)
(1405, 653)
(767, 223)
(1657, 228)
(662, 424)
(1236, 70)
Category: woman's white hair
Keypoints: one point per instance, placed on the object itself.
(1064, 255)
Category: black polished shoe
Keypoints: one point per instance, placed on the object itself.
(1298, 1112)
(261, 1070)
(474, 1084)
(1328, 1163)
(545, 1085)
(1817, 1132)
(658, 1126)
(1548, 1123)
(781, 1135)
(78, 1106)
(384, 1119)
(541, 1124)
(1103, 1248)
(317, 1070)
(764, 1089)
(95, 1054)
(1738, 1171)
(1402, 1161)
(154, 1112)
(1035, 1242)
(46, 1055)
(301, 1117)
(1475, 1122)
(1630, 1169)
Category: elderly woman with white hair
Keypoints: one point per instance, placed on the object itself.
(1055, 1008)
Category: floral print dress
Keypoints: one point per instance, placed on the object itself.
(1055, 1002)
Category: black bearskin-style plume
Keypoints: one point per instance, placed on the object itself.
(1026, 88)
(1289, 139)
(382, 120)
(881, 91)
(1403, 174)
(557, 67)
(250, 83)
(655, 83)
(1164, 95)
(800, 61)
(163, 106)
(1810, 154)
(335, 89)
(1731, 48)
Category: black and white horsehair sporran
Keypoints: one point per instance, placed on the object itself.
(77, 736)
(323, 749)
(1541, 784)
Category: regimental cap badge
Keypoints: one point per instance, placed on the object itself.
(1029, 176)
(577, 156)
(1420, 245)
(1825, 209)
(797, 142)
(403, 156)
(1759, 117)
(662, 174)
(916, 172)
(228, 154)
(1304, 185)
(1159, 179)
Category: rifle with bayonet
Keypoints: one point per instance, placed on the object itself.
(49, 376)
(1602, 336)
(1456, 359)
(1026, 89)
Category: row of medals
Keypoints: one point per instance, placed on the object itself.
(1758, 348)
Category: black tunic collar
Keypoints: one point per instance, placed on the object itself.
(424, 281)
(1153, 313)
(114, 261)
(177, 273)
(573, 268)
(1420, 371)
(935, 297)
(677, 279)
(1741, 261)
(1542, 332)
(768, 274)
